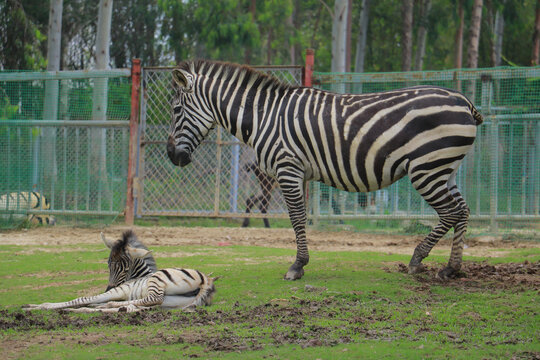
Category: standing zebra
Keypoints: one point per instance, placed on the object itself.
(352, 142)
(135, 283)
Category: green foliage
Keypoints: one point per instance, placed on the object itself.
(164, 32)
(22, 43)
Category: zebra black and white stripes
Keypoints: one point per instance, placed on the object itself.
(352, 142)
(171, 288)
(129, 259)
(17, 202)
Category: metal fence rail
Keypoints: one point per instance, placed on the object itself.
(500, 179)
(76, 162)
(217, 183)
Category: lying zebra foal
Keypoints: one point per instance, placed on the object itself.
(134, 283)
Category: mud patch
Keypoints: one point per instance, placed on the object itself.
(481, 275)
(291, 321)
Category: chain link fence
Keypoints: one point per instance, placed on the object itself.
(64, 138)
(220, 179)
(58, 140)
(499, 178)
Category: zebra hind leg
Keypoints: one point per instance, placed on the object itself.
(460, 228)
(448, 210)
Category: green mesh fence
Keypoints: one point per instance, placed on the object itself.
(500, 178)
(64, 140)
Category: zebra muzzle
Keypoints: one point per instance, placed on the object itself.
(178, 155)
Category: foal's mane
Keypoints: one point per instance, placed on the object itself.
(204, 67)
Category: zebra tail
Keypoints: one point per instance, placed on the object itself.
(476, 115)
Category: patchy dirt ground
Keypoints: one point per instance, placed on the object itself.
(347, 313)
(288, 314)
(283, 238)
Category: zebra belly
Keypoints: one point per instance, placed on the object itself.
(175, 302)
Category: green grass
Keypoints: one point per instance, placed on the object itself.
(358, 305)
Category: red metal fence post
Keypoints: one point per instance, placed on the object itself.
(307, 81)
(308, 69)
(129, 214)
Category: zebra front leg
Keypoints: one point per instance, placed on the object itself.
(291, 184)
(156, 294)
(110, 295)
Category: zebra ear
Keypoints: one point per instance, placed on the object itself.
(183, 79)
(137, 253)
(107, 242)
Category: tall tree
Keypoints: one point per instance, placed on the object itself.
(134, 32)
(474, 35)
(22, 39)
(362, 36)
(535, 58)
(406, 40)
(498, 33)
(339, 35)
(50, 105)
(99, 96)
(422, 34)
(179, 28)
(459, 35)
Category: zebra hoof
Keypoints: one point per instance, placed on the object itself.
(448, 273)
(417, 269)
(294, 274)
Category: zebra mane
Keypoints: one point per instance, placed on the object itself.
(130, 239)
(203, 67)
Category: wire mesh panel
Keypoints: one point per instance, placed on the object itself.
(220, 180)
(499, 178)
(57, 147)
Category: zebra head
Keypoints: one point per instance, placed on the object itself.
(192, 120)
(129, 259)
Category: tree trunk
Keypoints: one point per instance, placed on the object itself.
(498, 32)
(459, 36)
(339, 39)
(50, 106)
(252, 11)
(407, 12)
(422, 35)
(459, 41)
(474, 38)
(99, 100)
(362, 37)
(535, 59)
(348, 37)
(339, 35)
(294, 23)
